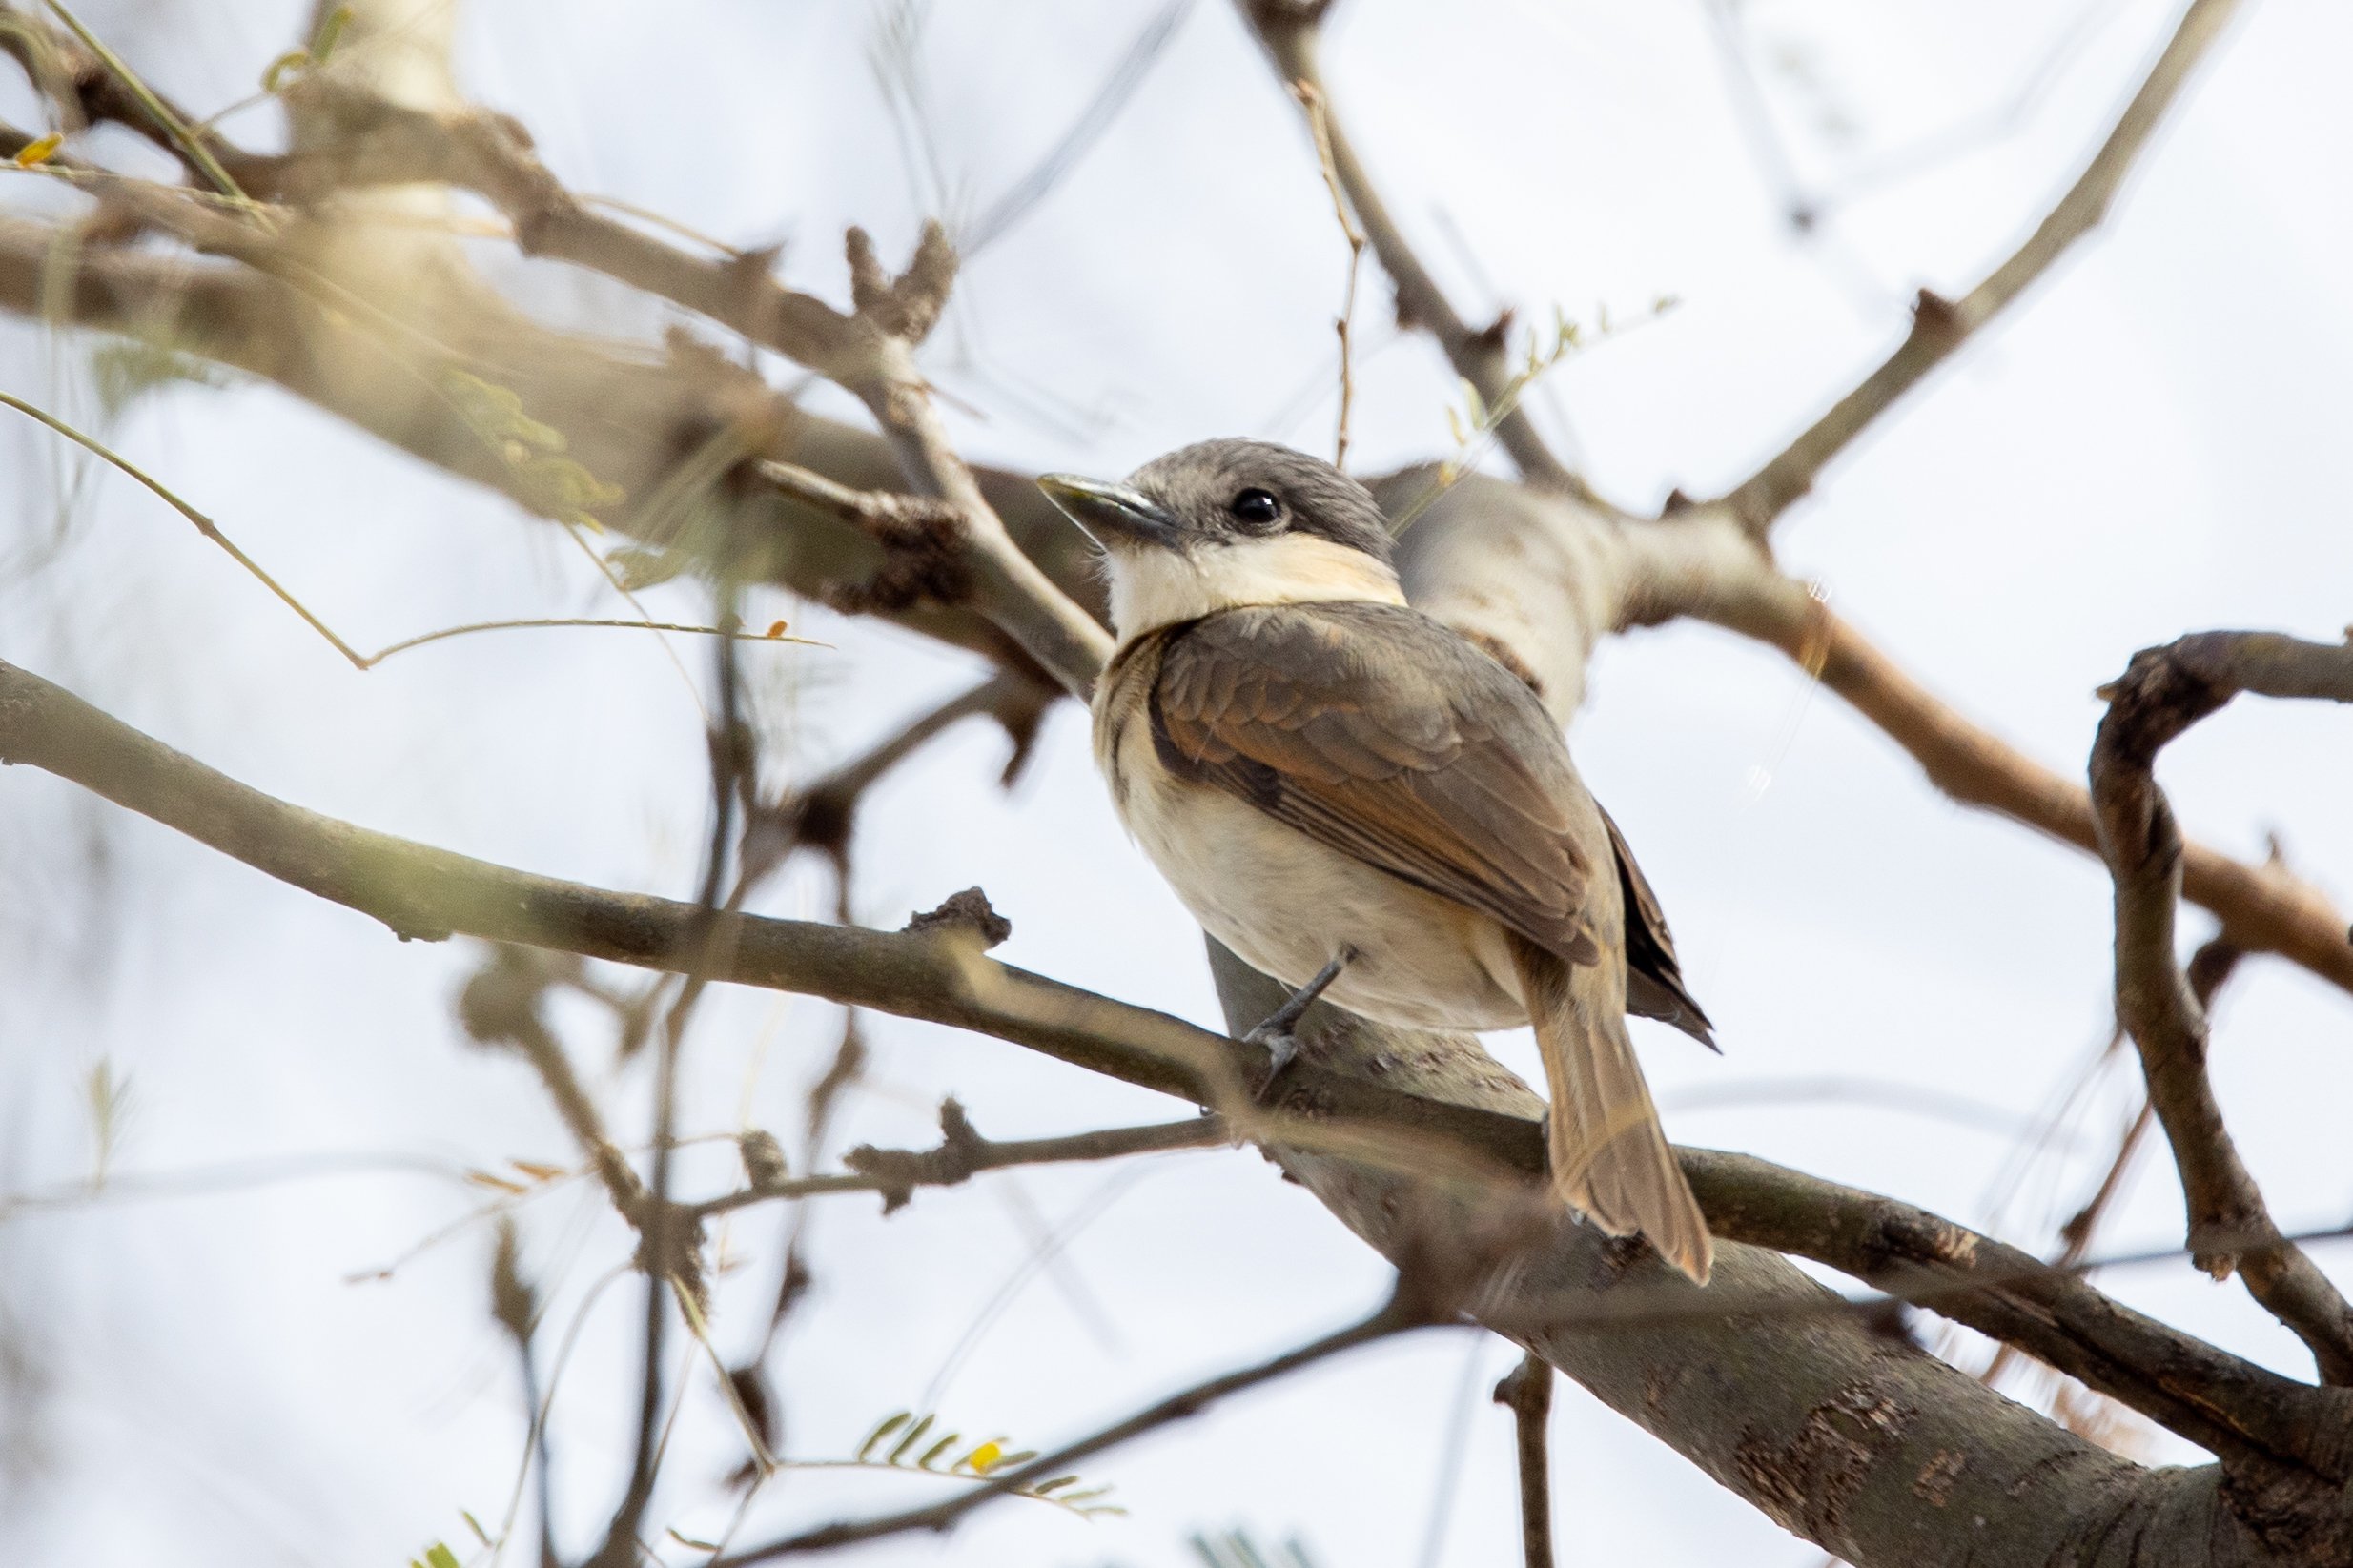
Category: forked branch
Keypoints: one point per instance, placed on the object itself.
(2164, 692)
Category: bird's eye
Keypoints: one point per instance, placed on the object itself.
(1255, 507)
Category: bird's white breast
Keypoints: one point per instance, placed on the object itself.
(1287, 905)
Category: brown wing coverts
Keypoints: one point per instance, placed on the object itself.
(1375, 730)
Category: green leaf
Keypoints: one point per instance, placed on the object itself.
(915, 1436)
(936, 1450)
(883, 1428)
(440, 1556)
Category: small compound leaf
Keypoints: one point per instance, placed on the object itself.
(915, 1436)
(883, 1428)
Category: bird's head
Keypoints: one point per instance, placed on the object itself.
(1227, 523)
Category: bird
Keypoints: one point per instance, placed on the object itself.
(1361, 803)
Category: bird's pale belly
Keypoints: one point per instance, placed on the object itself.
(1287, 905)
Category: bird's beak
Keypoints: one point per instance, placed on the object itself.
(1112, 514)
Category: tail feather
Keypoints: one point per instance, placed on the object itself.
(1611, 1158)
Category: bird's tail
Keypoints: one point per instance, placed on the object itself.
(1611, 1158)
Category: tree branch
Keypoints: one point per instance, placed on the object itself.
(2164, 692)
(1526, 1392)
(1940, 326)
(1545, 579)
(1608, 1316)
(1289, 32)
(963, 1153)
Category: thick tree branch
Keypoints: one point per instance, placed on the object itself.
(2228, 1406)
(2164, 692)
(869, 352)
(1595, 1310)
(1940, 326)
(1781, 1391)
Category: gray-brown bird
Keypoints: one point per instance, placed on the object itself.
(1351, 796)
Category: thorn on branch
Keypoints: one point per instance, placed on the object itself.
(1935, 318)
(1491, 337)
(964, 912)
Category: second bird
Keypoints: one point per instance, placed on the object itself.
(1325, 774)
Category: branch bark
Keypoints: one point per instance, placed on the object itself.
(1811, 1430)
(1526, 1392)
(2164, 692)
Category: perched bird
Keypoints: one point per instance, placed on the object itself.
(1350, 795)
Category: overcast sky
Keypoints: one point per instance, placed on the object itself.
(2152, 444)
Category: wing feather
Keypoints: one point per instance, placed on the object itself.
(1378, 732)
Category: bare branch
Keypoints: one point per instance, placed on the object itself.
(963, 1153)
(1544, 579)
(1289, 30)
(1526, 1392)
(1940, 326)
(1422, 1095)
(2164, 692)
(869, 352)
(2223, 1404)
(1319, 127)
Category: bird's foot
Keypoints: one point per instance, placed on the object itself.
(1274, 1035)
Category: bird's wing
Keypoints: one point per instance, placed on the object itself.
(1653, 978)
(1383, 735)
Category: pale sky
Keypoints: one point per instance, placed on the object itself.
(2151, 444)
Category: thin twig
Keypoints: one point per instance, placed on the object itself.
(2209, 969)
(1319, 127)
(2164, 692)
(774, 634)
(1288, 32)
(672, 1236)
(204, 525)
(210, 530)
(963, 1153)
(190, 145)
(1395, 1315)
(1940, 326)
(1526, 1392)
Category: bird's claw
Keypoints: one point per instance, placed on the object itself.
(1274, 1035)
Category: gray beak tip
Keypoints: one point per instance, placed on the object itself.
(1109, 513)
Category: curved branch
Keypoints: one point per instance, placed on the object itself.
(2164, 692)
